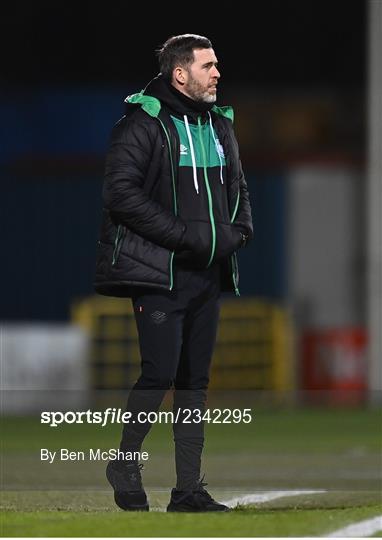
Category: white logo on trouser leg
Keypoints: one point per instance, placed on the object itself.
(158, 317)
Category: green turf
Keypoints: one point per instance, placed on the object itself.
(102, 500)
(257, 522)
(313, 430)
(319, 449)
(333, 449)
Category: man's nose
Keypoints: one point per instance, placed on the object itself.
(215, 72)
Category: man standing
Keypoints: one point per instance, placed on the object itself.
(176, 210)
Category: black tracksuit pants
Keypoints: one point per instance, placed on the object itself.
(177, 334)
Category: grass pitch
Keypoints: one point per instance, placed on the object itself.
(335, 450)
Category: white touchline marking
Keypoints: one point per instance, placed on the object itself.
(367, 527)
(269, 496)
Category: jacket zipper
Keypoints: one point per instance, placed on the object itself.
(234, 256)
(121, 231)
(236, 206)
(174, 194)
(234, 272)
(210, 205)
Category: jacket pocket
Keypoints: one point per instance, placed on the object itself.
(228, 240)
(198, 249)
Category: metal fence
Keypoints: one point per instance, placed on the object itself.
(253, 349)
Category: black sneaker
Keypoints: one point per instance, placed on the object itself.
(125, 479)
(197, 500)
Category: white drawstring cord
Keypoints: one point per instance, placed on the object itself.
(194, 171)
(217, 148)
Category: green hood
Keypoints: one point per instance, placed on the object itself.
(152, 106)
(149, 104)
(226, 111)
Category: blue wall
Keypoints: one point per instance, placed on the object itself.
(58, 121)
(51, 221)
(48, 258)
(263, 265)
(52, 227)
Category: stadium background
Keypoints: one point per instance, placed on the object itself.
(302, 345)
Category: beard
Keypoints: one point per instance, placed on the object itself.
(198, 92)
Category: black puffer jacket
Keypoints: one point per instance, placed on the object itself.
(152, 219)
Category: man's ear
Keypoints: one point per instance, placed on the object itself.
(180, 75)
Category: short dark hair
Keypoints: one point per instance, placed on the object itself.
(179, 50)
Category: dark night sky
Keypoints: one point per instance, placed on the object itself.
(288, 42)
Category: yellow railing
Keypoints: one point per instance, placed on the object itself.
(253, 349)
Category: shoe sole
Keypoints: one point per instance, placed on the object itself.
(117, 497)
(130, 507)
